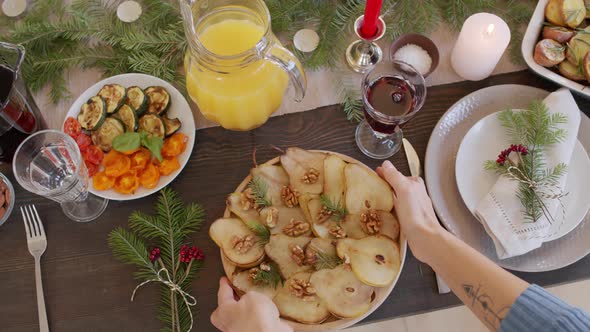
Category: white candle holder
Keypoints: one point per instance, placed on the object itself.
(363, 54)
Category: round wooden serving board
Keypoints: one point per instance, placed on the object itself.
(332, 323)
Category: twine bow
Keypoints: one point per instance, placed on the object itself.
(188, 299)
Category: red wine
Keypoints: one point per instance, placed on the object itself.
(19, 116)
(392, 99)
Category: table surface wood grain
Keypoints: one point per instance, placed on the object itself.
(86, 289)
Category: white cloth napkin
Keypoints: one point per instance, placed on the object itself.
(501, 212)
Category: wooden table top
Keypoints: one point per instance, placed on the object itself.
(86, 289)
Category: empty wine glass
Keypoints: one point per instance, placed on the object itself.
(48, 163)
(393, 92)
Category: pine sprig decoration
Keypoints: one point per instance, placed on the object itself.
(326, 261)
(270, 276)
(262, 232)
(167, 230)
(536, 129)
(338, 211)
(259, 190)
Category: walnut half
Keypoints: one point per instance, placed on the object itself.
(371, 222)
(324, 215)
(311, 176)
(289, 196)
(296, 228)
(337, 232)
(297, 254)
(302, 289)
(247, 200)
(272, 217)
(242, 244)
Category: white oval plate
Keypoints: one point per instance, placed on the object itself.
(178, 109)
(439, 171)
(484, 141)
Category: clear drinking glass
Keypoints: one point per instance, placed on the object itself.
(393, 92)
(48, 163)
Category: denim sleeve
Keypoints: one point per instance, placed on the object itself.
(536, 310)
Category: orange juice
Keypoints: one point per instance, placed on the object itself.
(244, 98)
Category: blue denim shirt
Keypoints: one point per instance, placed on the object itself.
(536, 310)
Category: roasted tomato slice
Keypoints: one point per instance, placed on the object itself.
(127, 183)
(174, 145)
(116, 164)
(101, 181)
(83, 141)
(150, 176)
(140, 159)
(93, 154)
(72, 127)
(169, 165)
(92, 168)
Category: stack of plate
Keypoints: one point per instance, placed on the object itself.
(467, 135)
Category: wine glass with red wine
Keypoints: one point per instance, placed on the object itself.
(393, 92)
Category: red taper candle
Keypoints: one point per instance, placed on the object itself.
(372, 11)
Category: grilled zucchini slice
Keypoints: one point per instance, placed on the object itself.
(172, 125)
(104, 136)
(137, 99)
(159, 100)
(128, 117)
(92, 113)
(114, 95)
(153, 125)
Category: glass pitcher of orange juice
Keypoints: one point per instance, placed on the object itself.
(237, 71)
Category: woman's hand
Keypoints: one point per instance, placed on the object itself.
(414, 209)
(254, 312)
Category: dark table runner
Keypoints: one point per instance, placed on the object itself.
(86, 289)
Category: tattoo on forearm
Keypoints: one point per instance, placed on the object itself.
(492, 315)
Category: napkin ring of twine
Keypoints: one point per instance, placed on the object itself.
(188, 299)
(520, 176)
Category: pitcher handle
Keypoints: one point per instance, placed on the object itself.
(20, 50)
(287, 61)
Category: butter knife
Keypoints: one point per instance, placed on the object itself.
(414, 164)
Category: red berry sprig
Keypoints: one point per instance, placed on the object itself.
(154, 254)
(189, 253)
(503, 156)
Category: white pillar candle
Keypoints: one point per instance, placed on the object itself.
(482, 41)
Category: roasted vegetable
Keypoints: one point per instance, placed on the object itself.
(573, 12)
(137, 99)
(172, 125)
(114, 96)
(553, 12)
(103, 137)
(571, 71)
(549, 53)
(92, 113)
(127, 115)
(159, 100)
(153, 125)
(559, 34)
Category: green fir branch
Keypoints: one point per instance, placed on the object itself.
(262, 232)
(130, 249)
(260, 191)
(271, 278)
(338, 211)
(326, 261)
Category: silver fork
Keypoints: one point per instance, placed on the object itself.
(37, 243)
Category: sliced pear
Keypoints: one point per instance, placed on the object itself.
(307, 309)
(284, 216)
(298, 162)
(274, 177)
(362, 187)
(354, 230)
(334, 182)
(278, 249)
(244, 283)
(234, 203)
(375, 260)
(224, 232)
(342, 293)
(325, 246)
(304, 204)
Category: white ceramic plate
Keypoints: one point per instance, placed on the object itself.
(439, 170)
(179, 108)
(484, 141)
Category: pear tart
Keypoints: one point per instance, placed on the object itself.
(316, 232)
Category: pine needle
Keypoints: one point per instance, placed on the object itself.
(261, 231)
(259, 190)
(325, 261)
(338, 211)
(270, 278)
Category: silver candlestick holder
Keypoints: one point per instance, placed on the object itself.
(364, 54)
